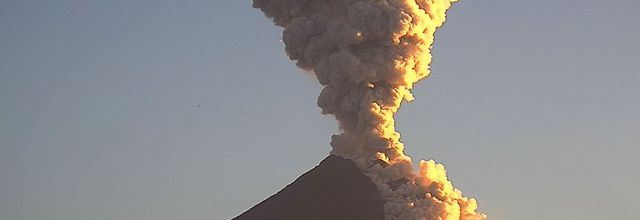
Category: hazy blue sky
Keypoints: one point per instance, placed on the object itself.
(140, 109)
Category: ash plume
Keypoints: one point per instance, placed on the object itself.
(368, 54)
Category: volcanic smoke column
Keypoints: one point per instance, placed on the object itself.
(368, 54)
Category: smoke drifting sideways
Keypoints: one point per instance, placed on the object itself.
(368, 54)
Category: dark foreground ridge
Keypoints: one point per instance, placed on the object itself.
(336, 189)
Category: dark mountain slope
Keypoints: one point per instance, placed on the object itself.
(334, 190)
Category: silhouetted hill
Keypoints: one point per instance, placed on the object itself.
(334, 190)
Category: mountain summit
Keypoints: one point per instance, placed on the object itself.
(335, 189)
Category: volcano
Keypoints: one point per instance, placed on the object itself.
(335, 189)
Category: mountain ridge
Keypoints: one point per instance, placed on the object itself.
(334, 189)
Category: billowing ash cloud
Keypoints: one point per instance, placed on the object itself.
(368, 54)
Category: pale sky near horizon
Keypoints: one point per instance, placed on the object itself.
(143, 109)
